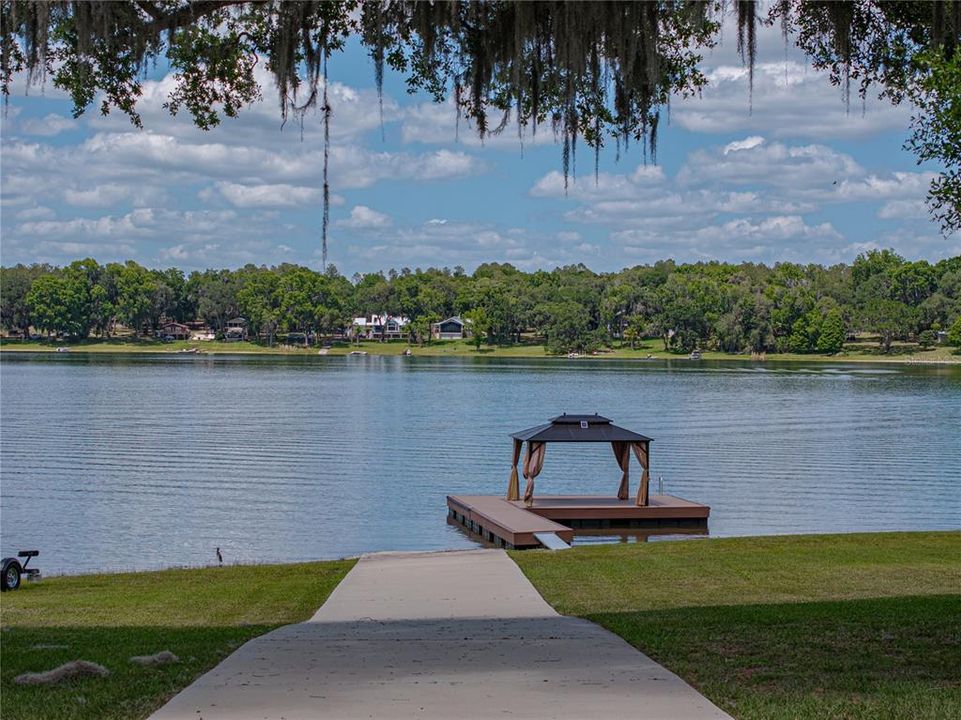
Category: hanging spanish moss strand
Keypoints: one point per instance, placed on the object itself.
(326, 220)
(747, 42)
(378, 51)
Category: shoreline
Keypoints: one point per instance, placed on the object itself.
(279, 564)
(940, 356)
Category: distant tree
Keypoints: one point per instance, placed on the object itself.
(136, 303)
(215, 294)
(889, 319)
(873, 263)
(927, 339)
(831, 338)
(634, 331)
(479, 325)
(102, 310)
(259, 298)
(420, 328)
(59, 303)
(568, 328)
(805, 332)
(15, 284)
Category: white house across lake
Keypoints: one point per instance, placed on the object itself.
(379, 327)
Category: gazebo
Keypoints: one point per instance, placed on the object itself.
(580, 428)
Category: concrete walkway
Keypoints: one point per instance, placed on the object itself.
(438, 635)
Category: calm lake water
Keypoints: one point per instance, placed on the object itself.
(119, 462)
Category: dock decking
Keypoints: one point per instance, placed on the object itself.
(507, 523)
(501, 522)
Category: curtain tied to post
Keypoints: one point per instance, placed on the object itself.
(622, 453)
(641, 452)
(533, 462)
(513, 491)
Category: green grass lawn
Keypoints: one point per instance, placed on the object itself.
(803, 627)
(200, 615)
(647, 349)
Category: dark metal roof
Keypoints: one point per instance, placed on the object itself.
(579, 428)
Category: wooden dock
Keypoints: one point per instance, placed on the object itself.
(509, 523)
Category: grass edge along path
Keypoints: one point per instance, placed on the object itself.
(201, 615)
(859, 626)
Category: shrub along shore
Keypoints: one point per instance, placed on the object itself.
(852, 626)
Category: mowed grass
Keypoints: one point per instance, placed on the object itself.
(864, 626)
(200, 615)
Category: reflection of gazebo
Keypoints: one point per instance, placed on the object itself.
(580, 428)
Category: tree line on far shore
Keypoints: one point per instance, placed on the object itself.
(748, 307)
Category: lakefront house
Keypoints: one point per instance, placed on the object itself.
(379, 327)
(235, 330)
(453, 328)
(173, 331)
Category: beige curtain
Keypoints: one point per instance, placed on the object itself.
(533, 462)
(641, 452)
(622, 453)
(513, 491)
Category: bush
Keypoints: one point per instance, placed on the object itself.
(954, 333)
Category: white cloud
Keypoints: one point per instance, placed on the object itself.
(745, 144)
(257, 196)
(790, 100)
(915, 209)
(39, 212)
(605, 185)
(106, 195)
(746, 199)
(777, 164)
(52, 124)
(437, 124)
(910, 185)
(363, 218)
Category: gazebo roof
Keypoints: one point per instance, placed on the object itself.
(579, 428)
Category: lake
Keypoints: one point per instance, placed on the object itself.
(123, 462)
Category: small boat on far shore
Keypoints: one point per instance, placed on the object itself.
(696, 355)
(357, 352)
(63, 349)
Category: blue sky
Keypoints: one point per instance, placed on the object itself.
(798, 177)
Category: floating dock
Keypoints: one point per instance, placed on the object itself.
(511, 524)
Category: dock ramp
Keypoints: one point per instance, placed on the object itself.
(551, 541)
